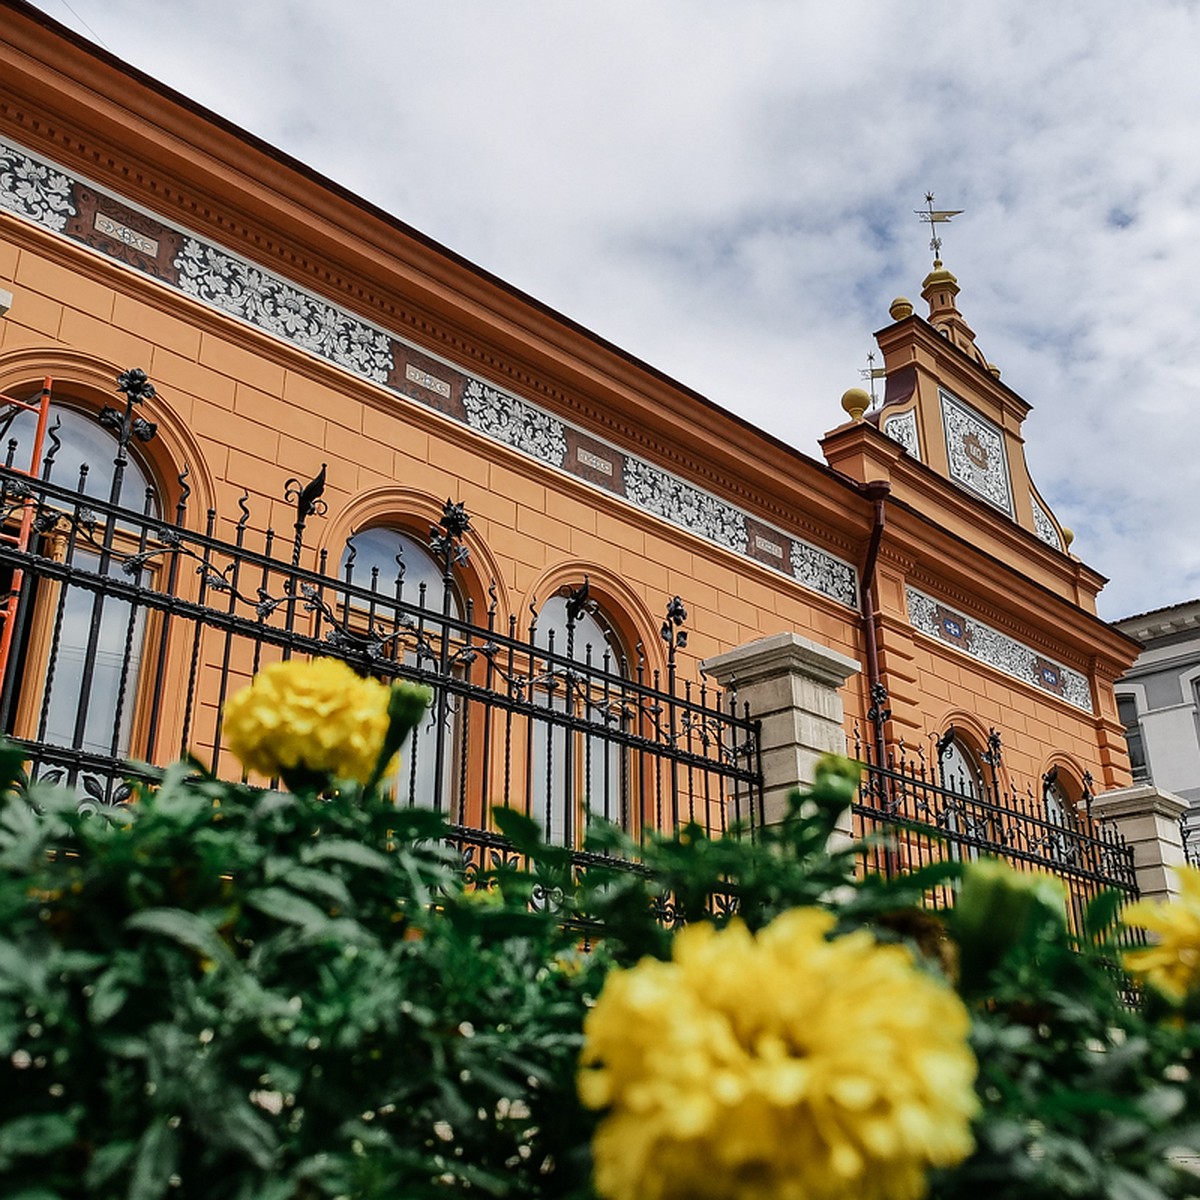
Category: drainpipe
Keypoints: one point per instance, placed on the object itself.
(877, 491)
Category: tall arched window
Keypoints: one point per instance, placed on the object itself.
(958, 770)
(392, 564)
(1059, 796)
(388, 573)
(961, 814)
(79, 650)
(578, 770)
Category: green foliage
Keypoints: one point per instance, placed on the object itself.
(257, 994)
(243, 995)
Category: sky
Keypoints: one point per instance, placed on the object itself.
(727, 191)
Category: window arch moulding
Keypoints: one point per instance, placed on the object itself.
(632, 621)
(975, 740)
(414, 513)
(92, 382)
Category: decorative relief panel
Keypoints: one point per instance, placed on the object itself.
(819, 571)
(902, 428)
(514, 422)
(34, 189)
(1043, 526)
(975, 448)
(997, 649)
(244, 290)
(111, 226)
(664, 495)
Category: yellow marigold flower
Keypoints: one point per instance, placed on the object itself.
(314, 718)
(777, 1067)
(1172, 964)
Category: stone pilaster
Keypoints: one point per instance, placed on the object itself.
(792, 686)
(1148, 819)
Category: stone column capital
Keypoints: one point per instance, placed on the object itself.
(780, 654)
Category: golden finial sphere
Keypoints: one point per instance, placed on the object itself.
(1068, 536)
(900, 309)
(856, 402)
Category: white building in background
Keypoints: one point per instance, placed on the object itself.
(1159, 702)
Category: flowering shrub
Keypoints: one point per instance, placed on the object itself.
(780, 1065)
(230, 993)
(310, 722)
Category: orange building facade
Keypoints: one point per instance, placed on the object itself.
(290, 329)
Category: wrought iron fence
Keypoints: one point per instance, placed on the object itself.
(132, 629)
(915, 808)
(131, 626)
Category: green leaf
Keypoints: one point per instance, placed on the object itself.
(183, 927)
(1161, 1104)
(155, 1164)
(106, 1162)
(237, 1124)
(325, 889)
(524, 832)
(35, 1136)
(286, 906)
(108, 997)
(1122, 1185)
(347, 851)
(1101, 913)
(20, 969)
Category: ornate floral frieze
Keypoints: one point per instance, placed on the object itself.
(34, 189)
(42, 192)
(267, 302)
(823, 573)
(1043, 526)
(997, 649)
(514, 422)
(902, 428)
(664, 495)
(975, 449)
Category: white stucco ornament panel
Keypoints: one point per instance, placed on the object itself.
(996, 649)
(1043, 526)
(902, 428)
(975, 450)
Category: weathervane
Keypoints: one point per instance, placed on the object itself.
(871, 373)
(933, 217)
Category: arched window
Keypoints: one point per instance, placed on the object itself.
(578, 770)
(394, 565)
(78, 449)
(958, 770)
(962, 813)
(77, 662)
(1059, 796)
(388, 573)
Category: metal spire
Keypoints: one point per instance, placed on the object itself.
(870, 373)
(933, 217)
